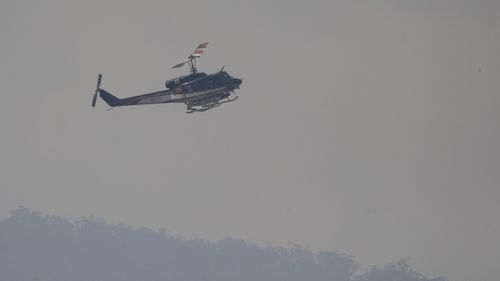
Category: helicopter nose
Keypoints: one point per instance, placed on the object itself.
(237, 82)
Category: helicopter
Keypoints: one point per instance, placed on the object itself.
(197, 90)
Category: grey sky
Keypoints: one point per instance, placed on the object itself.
(368, 127)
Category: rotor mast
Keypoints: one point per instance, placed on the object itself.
(192, 65)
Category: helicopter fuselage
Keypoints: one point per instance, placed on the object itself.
(199, 91)
(192, 89)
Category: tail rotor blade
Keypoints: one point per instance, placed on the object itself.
(94, 99)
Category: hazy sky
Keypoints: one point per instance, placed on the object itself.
(367, 127)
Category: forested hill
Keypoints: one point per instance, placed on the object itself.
(48, 248)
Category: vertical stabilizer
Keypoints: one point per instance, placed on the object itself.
(109, 98)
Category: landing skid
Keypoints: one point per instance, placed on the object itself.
(205, 107)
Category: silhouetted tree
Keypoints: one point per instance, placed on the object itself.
(49, 248)
(400, 271)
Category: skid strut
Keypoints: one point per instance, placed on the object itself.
(207, 106)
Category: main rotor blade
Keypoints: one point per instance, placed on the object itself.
(181, 64)
(196, 54)
(199, 50)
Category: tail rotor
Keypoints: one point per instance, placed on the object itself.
(99, 78)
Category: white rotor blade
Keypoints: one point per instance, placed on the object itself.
(199, 50)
